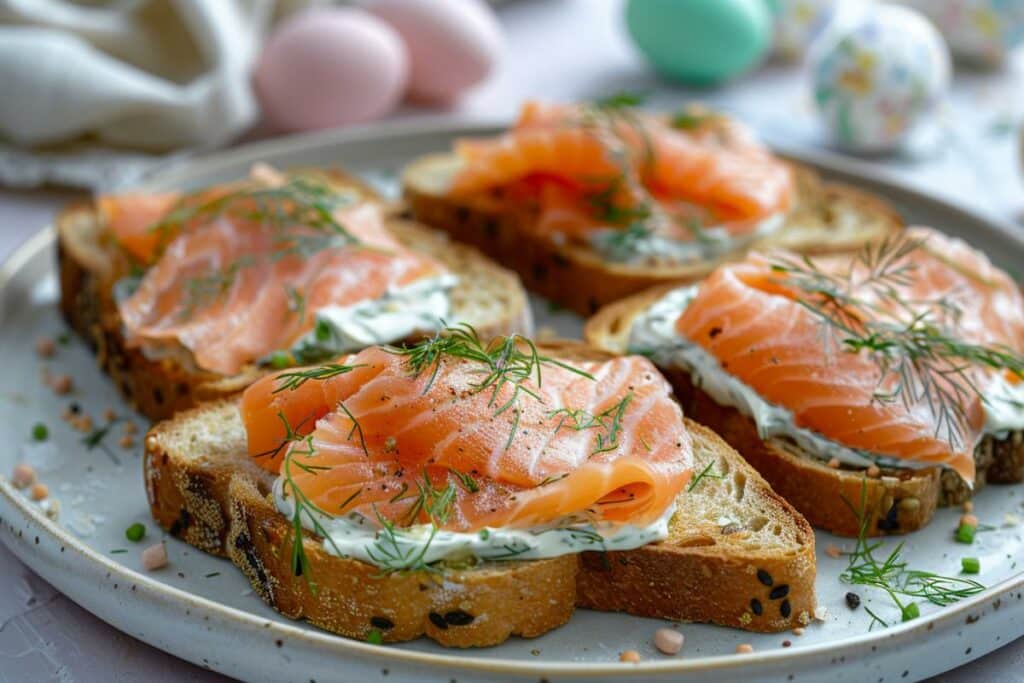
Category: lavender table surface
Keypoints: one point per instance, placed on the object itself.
(556, 49)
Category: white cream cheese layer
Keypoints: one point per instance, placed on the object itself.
(356, 536)
(711, 242)
(418, 307)
(1004, 406)
(653, 333)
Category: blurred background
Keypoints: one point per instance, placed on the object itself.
(96, 94)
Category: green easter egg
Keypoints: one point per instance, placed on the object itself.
(700, 41)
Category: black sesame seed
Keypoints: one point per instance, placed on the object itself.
(459, 617)
(755, 607)
(852, 600)
(438, 621)
(75, 408)
(764, 577)
(785, 609)
(383, 623)
(779, 592)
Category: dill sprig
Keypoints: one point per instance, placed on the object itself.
(503, 362)
(301, 213)
(608, 420)
(290, 381)
(302, 505)
(96, 439)
(202, 290)
(892, 574)
(303, 201)
(913, 341)
(436, 504)
(702, 475)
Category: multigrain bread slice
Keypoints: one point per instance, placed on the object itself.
(488, 297)
(738, 554)
(899, 500)
(827, 217)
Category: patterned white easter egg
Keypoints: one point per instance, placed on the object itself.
(876, 79)
(798, 22)
(978, 31)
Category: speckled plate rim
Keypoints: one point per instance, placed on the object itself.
(35, 538)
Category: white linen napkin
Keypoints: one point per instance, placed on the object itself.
(95, 92)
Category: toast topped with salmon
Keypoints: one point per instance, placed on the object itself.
(191, 296)
(899, 369)
(592, 203)
(469, 490)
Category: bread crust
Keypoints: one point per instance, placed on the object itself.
(158, 388)
(579, 279)
(204, 489)
(899, 500)
(707, 573)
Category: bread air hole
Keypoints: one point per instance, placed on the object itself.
(696, 542)
(757, 523)
(739, 486)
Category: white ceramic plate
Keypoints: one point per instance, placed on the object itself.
(200, 607)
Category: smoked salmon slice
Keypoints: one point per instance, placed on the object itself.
(879, 353)
(238, 272)
(711, 165)
(376, 435)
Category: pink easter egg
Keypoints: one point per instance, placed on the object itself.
(453, 44)
(329, 67)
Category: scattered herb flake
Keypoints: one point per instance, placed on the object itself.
(40, 432)
(892, 575)
(965, 533)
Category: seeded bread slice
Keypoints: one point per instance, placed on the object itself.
(203, 488)
(827, 217)
(898, 501)
(488, 297)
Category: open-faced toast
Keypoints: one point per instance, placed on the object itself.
(896, 499)
(737, 554)
(823, 217)
(90, 264)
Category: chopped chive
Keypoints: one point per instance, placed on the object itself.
(135, 532)
(970, 565)
(212, 574)
(63, 338)
(965, 533)
(375, 637)
(322, 331)
(280, 360)
(911, 611)
(40, 432)
(484, 534)
(118, 551)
